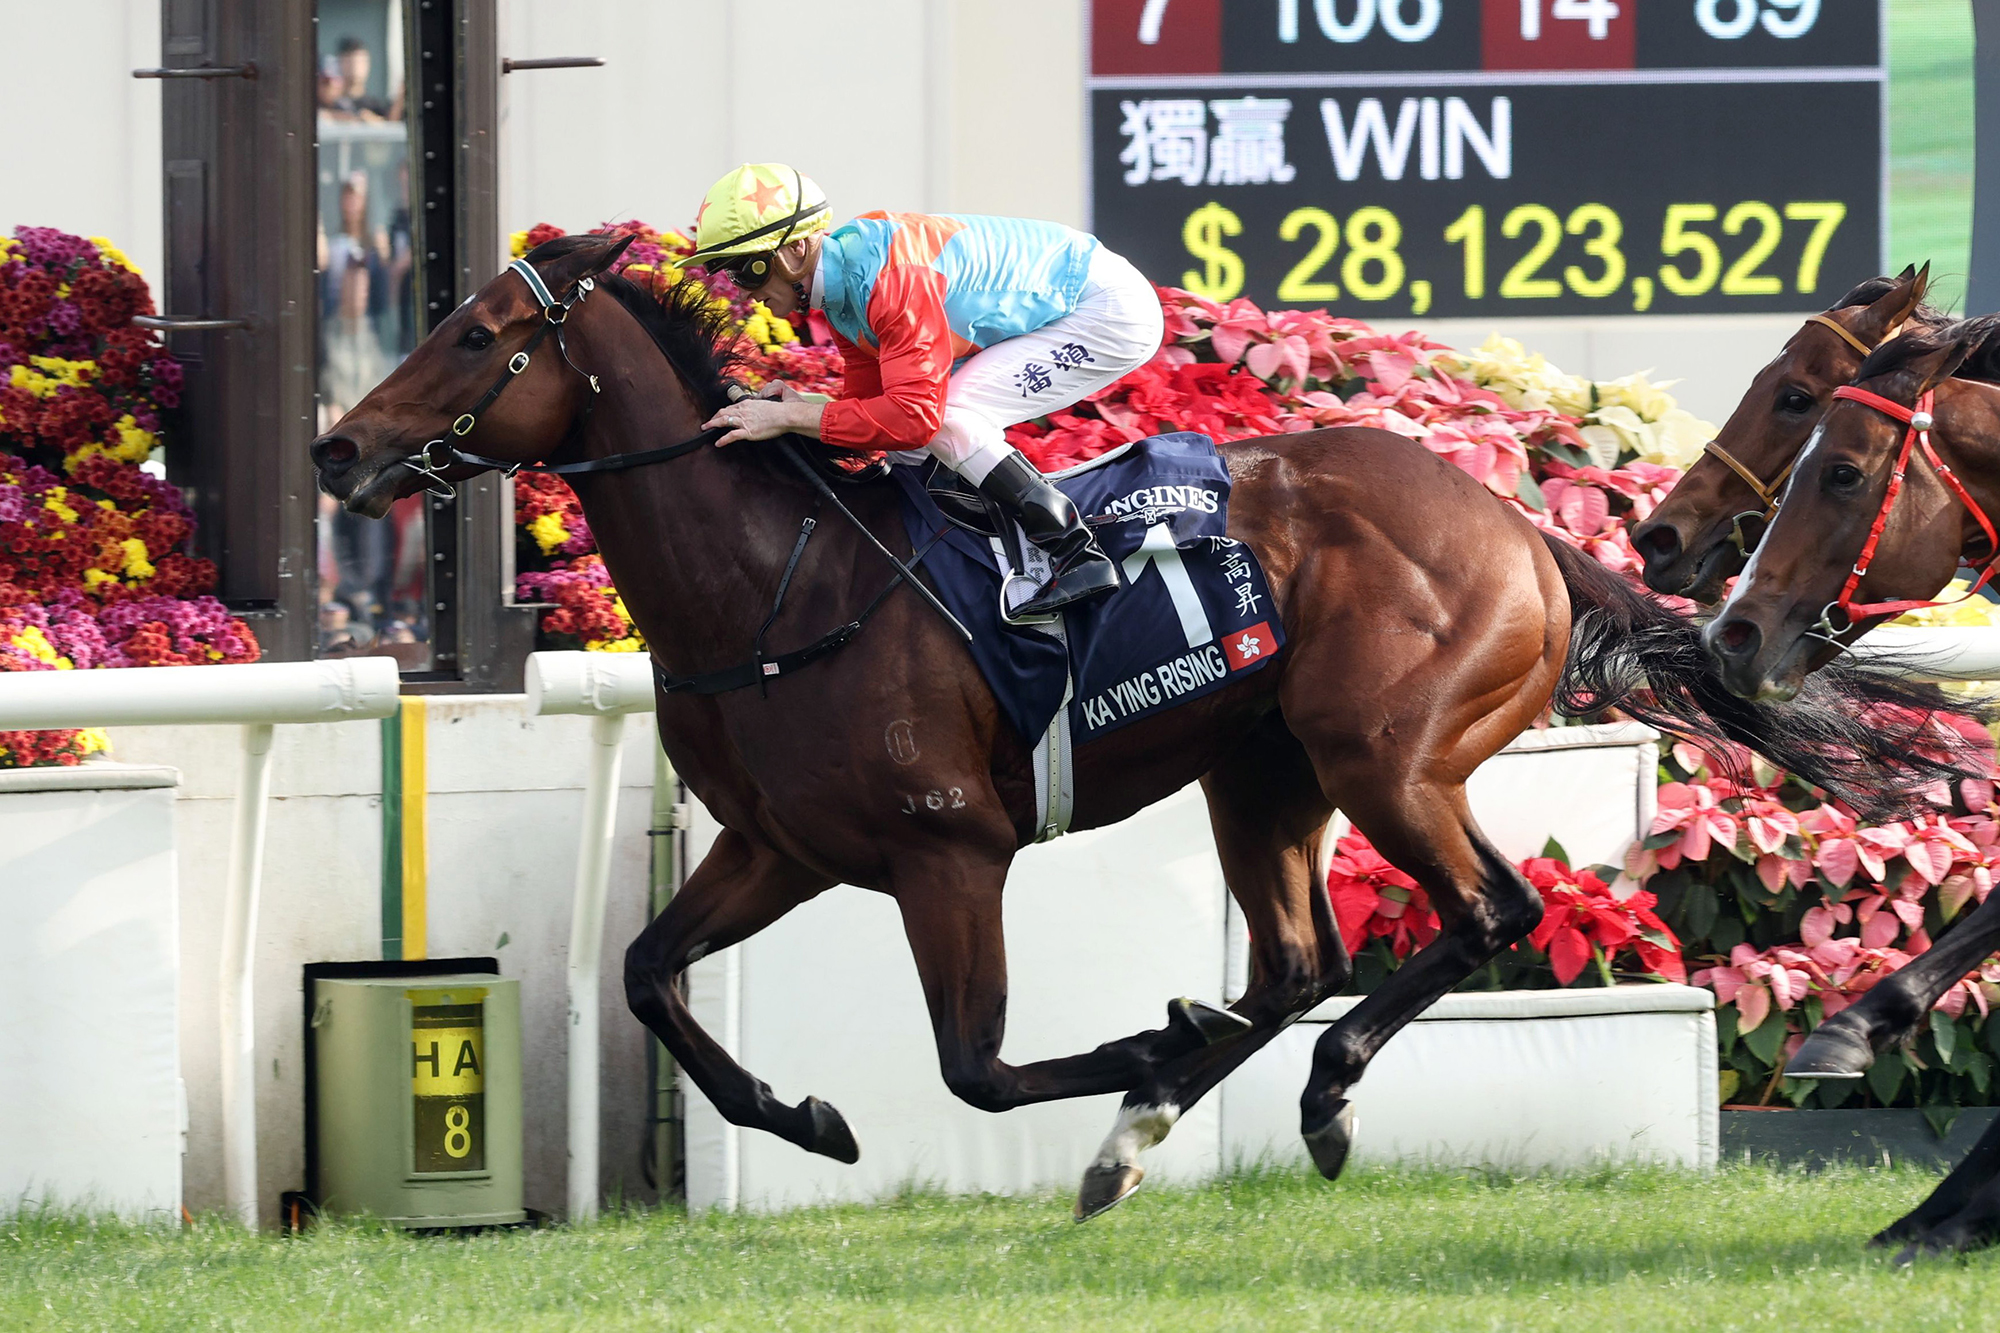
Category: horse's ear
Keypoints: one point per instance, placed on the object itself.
(1949, 359)
(586, 261)
(1886, 315)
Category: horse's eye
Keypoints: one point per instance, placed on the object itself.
(1795, 402)
(478, 338)
(1844, 476)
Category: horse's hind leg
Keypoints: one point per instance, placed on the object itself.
(1484, 904)
(739, 888)
(950, 896)
(1268, 813)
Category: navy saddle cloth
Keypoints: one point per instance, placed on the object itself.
(1193, 613)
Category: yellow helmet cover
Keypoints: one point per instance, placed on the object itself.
(758, 207)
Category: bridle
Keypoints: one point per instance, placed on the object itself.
(762, 667)
(1919, 420)
(431, 461)
(1768, 492)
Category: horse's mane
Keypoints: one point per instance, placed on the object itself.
(689, 328)
(1979, 338)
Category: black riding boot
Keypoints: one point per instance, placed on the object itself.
(1051, 523)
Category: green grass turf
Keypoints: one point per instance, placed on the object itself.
(1379, 1251)
(1930, 139)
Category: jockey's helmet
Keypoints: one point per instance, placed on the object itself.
(753, 211)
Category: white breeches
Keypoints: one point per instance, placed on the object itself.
(1115, 328)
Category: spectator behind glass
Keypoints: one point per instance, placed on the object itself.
(355, 64)
(328, 89)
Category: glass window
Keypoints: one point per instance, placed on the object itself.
(374, 576)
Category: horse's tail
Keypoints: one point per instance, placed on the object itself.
(1869, 738)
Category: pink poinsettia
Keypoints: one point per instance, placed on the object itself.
(1754, 982)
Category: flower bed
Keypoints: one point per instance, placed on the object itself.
(95, 569)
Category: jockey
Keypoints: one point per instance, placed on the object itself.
(953, 328)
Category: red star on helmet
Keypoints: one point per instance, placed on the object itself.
(764, 197)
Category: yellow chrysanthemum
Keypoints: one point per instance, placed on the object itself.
(94, 576)
(137, 566)
(517, 245)
(92, 740)
(134, 442)
(36, 644)
(114, 254)
(629, 644)
(53, 502)
(8, 249)
(548, 532)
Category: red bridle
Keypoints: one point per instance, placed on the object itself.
(1918, 436)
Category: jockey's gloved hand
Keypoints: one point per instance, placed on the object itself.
(1050, 521)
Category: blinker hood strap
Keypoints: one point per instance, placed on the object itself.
(534, 281)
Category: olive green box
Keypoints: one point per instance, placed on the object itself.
(417, 1098)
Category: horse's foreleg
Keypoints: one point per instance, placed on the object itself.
(738, 889)
(1484, 905)
(1845, 1045)
(1268, 813)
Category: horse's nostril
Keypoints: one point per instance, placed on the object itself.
(1736, 636)
(1657, 541)
(334, 453)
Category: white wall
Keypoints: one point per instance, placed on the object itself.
(506, 795)
(81, 149)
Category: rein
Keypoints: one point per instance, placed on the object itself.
(429, 464)
(1768, 492)
(1920, 420)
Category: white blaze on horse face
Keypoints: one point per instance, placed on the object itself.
(1749, 574)
(1136, 1129)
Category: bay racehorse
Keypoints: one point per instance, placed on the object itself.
(1427, 625)
(1702, 533)
(1875, 521)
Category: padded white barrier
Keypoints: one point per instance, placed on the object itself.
(1514, 1079)
(91, 1105)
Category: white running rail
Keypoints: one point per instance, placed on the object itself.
(605, 687)
(256, 696)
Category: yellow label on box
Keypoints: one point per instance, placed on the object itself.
(447, 1062)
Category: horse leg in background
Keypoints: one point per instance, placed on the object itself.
(1962, 1213)
(1845, 1045)
(739, 888)
(1268, 813)
(1427, 831)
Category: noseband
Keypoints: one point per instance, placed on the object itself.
(1769, 492)
(1919, 420)
(431, 461)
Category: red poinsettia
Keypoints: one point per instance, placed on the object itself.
(1373, 900)
(1582, 921)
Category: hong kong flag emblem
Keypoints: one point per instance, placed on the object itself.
(1249, 647)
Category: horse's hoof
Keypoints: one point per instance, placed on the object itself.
(1329, 1144)
(1832, 1051)
(1106, 1185)
(830, 1135)
(1205, 1022)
